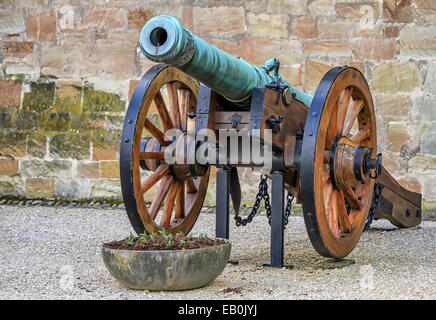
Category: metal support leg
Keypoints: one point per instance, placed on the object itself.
(277, 222)
(222, 203)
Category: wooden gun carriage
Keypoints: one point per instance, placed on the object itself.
(324, 148)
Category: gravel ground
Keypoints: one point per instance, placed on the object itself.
(54, 253)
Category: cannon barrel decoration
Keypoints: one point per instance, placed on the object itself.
(324, 147)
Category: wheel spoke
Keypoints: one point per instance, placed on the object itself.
(360, 136)
(151, 155)
(156, 132)
(343, 104)
(180, 202)
(351, 198)
(332, 211)
(169, 205)
(162, 109)
(174, 104)
(184, 105)
(161, 171)
(344, 220)
(326, 157)
(331, 129)
(160, 196)
(351, 116)
(190, 186)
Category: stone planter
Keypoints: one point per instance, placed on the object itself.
(166, 269)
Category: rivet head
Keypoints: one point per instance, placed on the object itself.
(126, 140)
(130, 121)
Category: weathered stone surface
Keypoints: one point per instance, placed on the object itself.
(12, 186)
(70, 61)
(110, 169)
(391, 32)
(46, 168)
(393, 108)
(429, 188)
(6, 116)
(106, 139)
(338, 30)
(73, 36)
(314, 72)
(219, 21)
(18, 46)
(88, 121)
(13, 144)
(55, 121)
(322, 8)
(258, 51)
(430, 79)
(109, 189)
(418, 42)
(107, 153)
(398, 11)
(41, 25)
(10, 93)
(265, 25)
(114, 122)
(136, 18)
(27, 120)
(293, 7)
(395, 77)
(39, 187)
(37, 145)
(391, 161)
(398, 136)
(8, 167)
(358, 10)
(421, 164)
(426, 9)
(40, 97)
(375, 49)
(304, 28)
(21, 65)
(331, 48)
(424, 108)
(68, 97)
(100, 101)
(88, 169)
(73, 188)
(66, 17)
(105, 18)
(71, 145)
(428, 141)
(11, 21)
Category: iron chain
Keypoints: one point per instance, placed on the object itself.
(377, 190)
(263, 194)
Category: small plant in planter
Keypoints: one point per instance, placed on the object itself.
(165, 261)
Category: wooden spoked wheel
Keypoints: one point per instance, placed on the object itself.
(162, 100)
(339, 141)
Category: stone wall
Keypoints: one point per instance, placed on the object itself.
(67, 68)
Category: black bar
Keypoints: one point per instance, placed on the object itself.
(222, 203)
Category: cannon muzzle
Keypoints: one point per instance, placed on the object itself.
(164, 39)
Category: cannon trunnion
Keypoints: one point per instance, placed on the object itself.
(322, 149)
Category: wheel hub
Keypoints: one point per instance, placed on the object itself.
(351, 164)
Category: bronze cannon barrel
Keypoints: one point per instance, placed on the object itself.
(164, 39)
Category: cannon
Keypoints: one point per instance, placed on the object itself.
(323, 148)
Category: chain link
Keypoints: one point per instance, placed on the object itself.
(377, 190)
(263, 194)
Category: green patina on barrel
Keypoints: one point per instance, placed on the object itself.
(164, 39)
